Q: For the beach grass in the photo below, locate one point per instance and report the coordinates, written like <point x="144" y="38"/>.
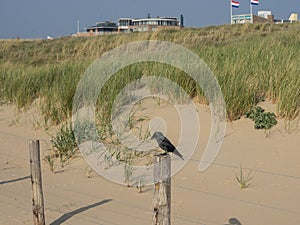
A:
<point x="252" y="62"/>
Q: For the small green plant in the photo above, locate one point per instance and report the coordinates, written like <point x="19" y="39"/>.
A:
<point x="128" y="172"/>
<point x="64" y="143"/>
<point x="158" y="101"/>
<point x="130" y="121"/>
<point x="108" y="160"/>
<point x="143" y="134"/>
<point x="140" y="184"/>
<point x="262" y="120"/>
<point x="117" y="153"/>
<point x="243" y="179"/>
<point x="50" y="158"/>
<point x="85" y="131"/>
<point x="128" y="169"/>
<point x="88" y="171"/>
<point x="147" y="135"/>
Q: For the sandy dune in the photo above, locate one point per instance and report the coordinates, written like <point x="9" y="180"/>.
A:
<point x="212" y="197"/>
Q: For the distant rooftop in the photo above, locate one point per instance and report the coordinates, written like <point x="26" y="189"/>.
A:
<point x="262" y="17"/>
<point x="136" y="25"/>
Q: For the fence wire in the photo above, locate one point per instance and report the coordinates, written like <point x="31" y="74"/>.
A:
<point x="21" y="199"/>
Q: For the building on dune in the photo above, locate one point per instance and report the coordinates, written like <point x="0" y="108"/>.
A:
<point x="262" y="17"/>
<point x="149" y="24"/>
<point x="102" y="28"/>
<point x="128" y="25"/>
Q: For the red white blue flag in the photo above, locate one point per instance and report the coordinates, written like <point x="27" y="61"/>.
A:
<point x="235" y="4"/>
<point x="254" y="2"/>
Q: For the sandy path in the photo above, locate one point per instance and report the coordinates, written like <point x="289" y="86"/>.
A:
<point x="212" y="197"/>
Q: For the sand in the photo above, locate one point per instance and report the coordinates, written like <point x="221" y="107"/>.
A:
<point x="212" y="197"/>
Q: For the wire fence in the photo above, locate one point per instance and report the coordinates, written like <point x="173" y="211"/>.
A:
<point x="22" y="199"/>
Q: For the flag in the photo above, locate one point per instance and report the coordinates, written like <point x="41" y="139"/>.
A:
<point x="235" y="4"/>
<point x="254" y="2"/>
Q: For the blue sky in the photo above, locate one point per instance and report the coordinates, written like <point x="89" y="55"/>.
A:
<point x="39" y="18"/>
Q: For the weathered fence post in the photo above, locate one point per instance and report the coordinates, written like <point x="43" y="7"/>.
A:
<point x="36" y="181"/>
<point x="162" y="190"/>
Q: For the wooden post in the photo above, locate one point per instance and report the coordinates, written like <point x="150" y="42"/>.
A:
<point x="36" y="181"/>
<point x="162" y="190"/>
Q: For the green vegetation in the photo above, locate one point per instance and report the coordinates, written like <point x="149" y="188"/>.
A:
<point x="88" y="170"/>
<point x="262" y="120"/>
<point x="243" y="179"/>
<point x="251" y="62"/>
<point x="128" y="172"/>
<point x="140" y="184"/>
<point x="64" y="144"/>
<point x="50" y="160"/>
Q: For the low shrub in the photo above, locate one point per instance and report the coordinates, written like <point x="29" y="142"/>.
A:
<point x="262" y="120"/>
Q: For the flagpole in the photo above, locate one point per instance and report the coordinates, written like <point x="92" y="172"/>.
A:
<point x="230" y="12"/>
<point x="251" y="12"/>
<point x="77" y="26"/>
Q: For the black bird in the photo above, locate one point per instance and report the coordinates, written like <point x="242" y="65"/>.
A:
<point x="165" y="144"/>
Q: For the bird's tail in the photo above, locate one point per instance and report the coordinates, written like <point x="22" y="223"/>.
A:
<point x="176" y="152"/>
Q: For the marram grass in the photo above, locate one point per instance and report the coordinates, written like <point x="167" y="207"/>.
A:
<point x="252" y="62"/>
